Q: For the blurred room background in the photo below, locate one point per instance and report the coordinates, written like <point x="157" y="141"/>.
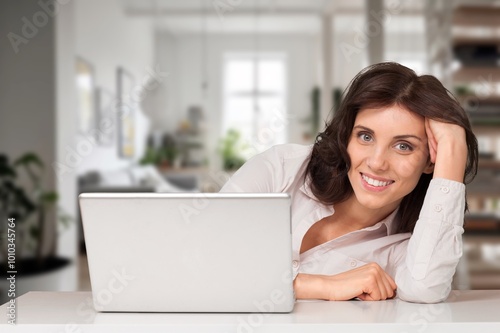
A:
<point x="171" y="95"/>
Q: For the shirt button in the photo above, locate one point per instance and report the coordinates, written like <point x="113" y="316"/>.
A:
<point x="353" y="263"/>
<point x="445" y="189"/>
<point x="438" y="208"/>
<point x="295" y="264"/>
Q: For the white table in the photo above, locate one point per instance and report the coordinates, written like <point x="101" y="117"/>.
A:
<point x="464" y="311"/>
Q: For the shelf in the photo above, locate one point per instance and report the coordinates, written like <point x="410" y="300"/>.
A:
<point x="484" y="116"/>
<point x="489" y="164"/>
<point x="477" y="74"/>
<point x="488" y="99"/>
<point x="473" y="40"/>
<point x="488" y="115"/>
<point x="483" y="217"/>
<point x="474" y="16"/>
<point x="485" y="121"/>
<point x="477" y="79"/>
<point x="484" y="267"/>
<point x="482" y="224"/>
<point x="483" y="188"/>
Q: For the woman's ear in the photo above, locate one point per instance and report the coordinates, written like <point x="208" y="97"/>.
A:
<point x="429" y="168"/>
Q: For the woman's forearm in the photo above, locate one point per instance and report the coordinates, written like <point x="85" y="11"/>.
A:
<point x="451" y="160"/>
<point x="308" y="286"/>
<point x="425" y="273"/>
<point x="368" y="282"/>
<point x="448" y="149"/>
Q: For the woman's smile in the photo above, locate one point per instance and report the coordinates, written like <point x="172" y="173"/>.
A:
<point x="372" y="183"/>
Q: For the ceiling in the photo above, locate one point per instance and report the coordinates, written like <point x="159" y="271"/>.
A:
<point x="264" y="16"/>
<point x="242" y="6"/>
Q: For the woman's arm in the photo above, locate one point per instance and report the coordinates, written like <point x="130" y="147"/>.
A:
<point x="369" y="283"/>
<point x="447" y="149"/>
<point x="435" y="247"/>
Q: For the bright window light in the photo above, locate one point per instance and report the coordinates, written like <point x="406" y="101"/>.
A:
<point x="255" y="99"/>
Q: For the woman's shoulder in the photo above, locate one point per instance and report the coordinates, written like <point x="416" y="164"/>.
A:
<point x="274" y="170"/>
<point x="289" y="163"/>
<point x="288" y="152"/>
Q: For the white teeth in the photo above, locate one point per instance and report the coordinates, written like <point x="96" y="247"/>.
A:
<point x="374" y="182"/>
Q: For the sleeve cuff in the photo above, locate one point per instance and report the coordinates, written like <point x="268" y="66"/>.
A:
<point x="444" y="201"/>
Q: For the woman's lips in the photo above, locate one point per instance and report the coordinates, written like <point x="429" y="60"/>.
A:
<point x="375" y="184"/>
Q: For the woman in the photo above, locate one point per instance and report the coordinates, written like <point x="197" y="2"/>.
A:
<point x="378" y="201"/>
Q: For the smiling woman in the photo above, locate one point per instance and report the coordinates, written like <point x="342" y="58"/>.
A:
<point x="378" y="200"/>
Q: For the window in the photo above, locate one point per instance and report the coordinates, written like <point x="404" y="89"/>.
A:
<point x="254" y="99"/>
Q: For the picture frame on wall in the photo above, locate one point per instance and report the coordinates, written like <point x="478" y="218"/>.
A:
<point x="126" y="113"/>
<point x="105" y="102"/>
<point x="85" y="88"/>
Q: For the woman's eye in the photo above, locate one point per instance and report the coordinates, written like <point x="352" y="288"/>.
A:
<point x="365" y="137"/>
<point x="404" y="147"/>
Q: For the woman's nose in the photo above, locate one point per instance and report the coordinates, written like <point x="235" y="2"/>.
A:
<point x="378" y="159"/>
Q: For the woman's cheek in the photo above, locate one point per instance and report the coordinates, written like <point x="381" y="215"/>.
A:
<point x="410" y="167"/>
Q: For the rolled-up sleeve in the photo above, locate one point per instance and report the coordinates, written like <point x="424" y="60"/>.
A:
<point x="429" y="262"/>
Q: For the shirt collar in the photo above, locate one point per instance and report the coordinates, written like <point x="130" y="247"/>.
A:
<point x="389" y="222"/>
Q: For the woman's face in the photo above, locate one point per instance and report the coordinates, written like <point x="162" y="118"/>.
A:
<point x="389" y="152"/>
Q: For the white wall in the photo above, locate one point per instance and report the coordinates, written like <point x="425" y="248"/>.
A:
<point x="351" y="43"/>
<point x="181" y="56"/>
<point x="37" y="102"/>
<point x="66" y="123"/>
<point x="409" y="49"/>
<point x="107" y="38"/>
<point x="162" y="107"/>
<point x="27" y="90"/>
<point x="27" y="82"/>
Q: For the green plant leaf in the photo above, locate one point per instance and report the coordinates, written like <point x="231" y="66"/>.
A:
<point x="64" y="218"/>
<point x="29" y="158"/>
<point x="24" y="200"/>
<point x="49" y="197"/>
<point x="231" y="150"/>
<point x="15" y="215"/>
<point x="34" y="231"/>
<point x="5" y="169"/>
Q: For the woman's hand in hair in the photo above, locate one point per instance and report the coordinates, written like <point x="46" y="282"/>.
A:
<point x="447" y="149"/>
<point x="369" y="283"/>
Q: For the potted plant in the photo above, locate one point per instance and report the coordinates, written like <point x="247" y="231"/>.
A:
<point x="29" y="204"/>
<point x="163" y="156"/>
<point x="231" y="150"/>
<point x="313" y="119"/>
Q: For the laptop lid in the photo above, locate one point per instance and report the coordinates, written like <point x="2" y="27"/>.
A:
<point x="189" y="252"/>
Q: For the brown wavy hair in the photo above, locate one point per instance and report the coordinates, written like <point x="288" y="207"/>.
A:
<point x="384" y="85"/>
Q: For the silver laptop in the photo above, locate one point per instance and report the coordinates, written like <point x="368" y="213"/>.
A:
<point x="189" y="252"/>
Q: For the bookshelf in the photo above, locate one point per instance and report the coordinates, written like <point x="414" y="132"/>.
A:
<point x="464" y="53"/>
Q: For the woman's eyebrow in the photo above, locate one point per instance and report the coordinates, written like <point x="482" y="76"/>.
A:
<point x="397" y="137"/>
<point x="408" y="136"/>
<point x="363" y="128"/>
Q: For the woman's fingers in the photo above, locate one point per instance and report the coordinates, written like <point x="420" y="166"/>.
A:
<point x="385" y="283"/>
<point x="431" y="140"/>
<point x="368" y="282"/>
<point x="388" y="290"/>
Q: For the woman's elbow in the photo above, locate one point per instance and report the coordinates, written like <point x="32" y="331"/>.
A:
<point x="418" y="292"/>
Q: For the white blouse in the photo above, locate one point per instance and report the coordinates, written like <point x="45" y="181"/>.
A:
<point x="422" y="264"/>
